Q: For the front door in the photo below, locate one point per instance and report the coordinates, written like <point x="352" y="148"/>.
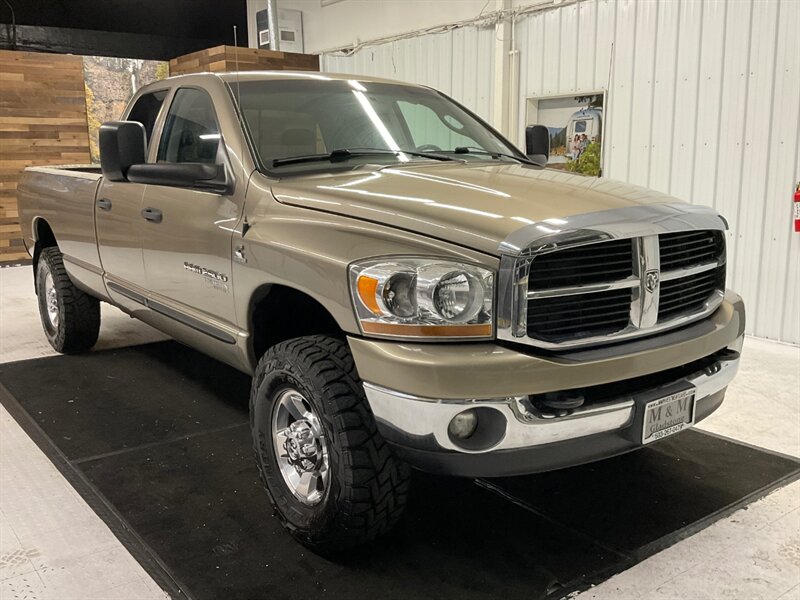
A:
<point x="119" y="220"/>
<point x="188" y="233"/>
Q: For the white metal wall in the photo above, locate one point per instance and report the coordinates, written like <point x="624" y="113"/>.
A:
<point x="458" y="63"/>
<point x="703" y="102"/>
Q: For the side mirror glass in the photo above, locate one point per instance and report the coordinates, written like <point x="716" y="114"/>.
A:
<point x="122" y="144"/>
<point x="537" y="144"/>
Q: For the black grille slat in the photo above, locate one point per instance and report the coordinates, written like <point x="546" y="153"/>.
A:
<point x="689" y="294"/>
<point x="580" y="265"/>
<point x="594" y="322"/>
<point x="687" y="248"/>
<point x="689" y="300"/>
<point x="683" y="251"/>
<point x="581" y="315"/>
<point x="554" y="258"/>
<point x="685" y="295"/>
<point x="683" y="239"/>
<point x="582" y="308"/>
<point x="684" y="236"/>
<point x="591" y="266"/>
<point x="668" y="292"/>
<point x="587" y="299"/>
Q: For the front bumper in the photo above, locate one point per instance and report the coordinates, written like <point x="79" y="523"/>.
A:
<point x="531" y="441"/>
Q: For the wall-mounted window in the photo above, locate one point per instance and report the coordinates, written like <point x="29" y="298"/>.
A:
<point x="576" y="130"/>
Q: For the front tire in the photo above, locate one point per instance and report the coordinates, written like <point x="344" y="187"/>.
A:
<point x="70" y="316"/>
<point x="332" y="479"/>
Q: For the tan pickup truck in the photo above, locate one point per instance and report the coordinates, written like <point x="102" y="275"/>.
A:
<point x="405" y="286"/>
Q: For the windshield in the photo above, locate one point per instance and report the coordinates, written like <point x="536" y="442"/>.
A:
<point x="313" y="118"/>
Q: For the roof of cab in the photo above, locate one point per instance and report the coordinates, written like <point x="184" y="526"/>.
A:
<point x="242" y="76"/>
<point x="232" y="77"/>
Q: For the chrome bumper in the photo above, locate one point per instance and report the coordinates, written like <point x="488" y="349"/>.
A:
<point x="417" y="422"/>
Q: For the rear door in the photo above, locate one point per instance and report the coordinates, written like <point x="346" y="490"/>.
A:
<point x="119" y="223"/>
<point x="187" y="246"/>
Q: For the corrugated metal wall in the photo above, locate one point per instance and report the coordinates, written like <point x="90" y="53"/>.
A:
<point x="703" y="102"/>
<point x="458" y="62"/>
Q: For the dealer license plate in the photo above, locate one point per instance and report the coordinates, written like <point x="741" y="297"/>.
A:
<point x="668" y="415"/>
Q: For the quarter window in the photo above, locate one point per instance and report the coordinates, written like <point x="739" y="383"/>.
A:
<point x="191" y="132"/>
<point x="145" y="111"/>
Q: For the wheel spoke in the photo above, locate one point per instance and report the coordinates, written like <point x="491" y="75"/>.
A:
<point x="294" y="404"/>
<point x="307" y="483"/>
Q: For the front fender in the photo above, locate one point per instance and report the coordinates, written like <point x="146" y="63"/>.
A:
<point x="310" y="251"/>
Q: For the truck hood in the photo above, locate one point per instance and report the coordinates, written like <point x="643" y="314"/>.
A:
<point x="472" y="205"/>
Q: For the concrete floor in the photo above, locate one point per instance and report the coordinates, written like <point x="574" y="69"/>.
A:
<point x="52" y="546"/>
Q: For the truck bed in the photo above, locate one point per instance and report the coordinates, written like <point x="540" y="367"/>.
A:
<point x="62" y="198"/>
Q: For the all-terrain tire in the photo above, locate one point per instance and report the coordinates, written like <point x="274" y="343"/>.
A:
<point x="367" y="485"/>
<point x="75" y="325"/>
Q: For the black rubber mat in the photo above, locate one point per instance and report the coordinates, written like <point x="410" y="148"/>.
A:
<point x="156" y="439"/>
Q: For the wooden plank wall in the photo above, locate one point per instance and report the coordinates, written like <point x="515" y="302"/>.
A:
<point x="224" y="58"/>
<point x="42" y="122"/>
<point x="43" y="114"/>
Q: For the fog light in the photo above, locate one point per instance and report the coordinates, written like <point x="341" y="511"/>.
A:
<point x="464" y="424"/>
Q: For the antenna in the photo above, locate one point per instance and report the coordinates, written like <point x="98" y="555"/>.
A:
<point x="236" y="62"/>
<point x="242" y="125"/>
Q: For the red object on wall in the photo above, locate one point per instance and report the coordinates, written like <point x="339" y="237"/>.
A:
<point x="797" y="208"/>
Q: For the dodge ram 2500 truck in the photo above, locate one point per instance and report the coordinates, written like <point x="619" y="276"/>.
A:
<point x="405" y="286"/>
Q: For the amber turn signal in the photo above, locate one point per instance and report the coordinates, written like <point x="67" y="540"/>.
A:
<point x="367" y="293"/>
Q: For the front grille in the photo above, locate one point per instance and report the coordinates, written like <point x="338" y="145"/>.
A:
<point x="593" y="292"/>
<point x="689" y="294"/>
<point x="686" y="248"/>
<point x="582" y="265"/>
<point x="575" y="317"/>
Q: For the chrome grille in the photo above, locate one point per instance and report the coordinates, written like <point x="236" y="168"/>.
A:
<point x="685" y="248"/>
<point x="582" y="265"/>
<point x="569" y="317"/>
<point x="689" y="294"/>
<point x="617" y="288"/>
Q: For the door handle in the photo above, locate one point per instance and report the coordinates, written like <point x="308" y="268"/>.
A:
<point x="152" y="214"/>
<point x="104" y="204"/>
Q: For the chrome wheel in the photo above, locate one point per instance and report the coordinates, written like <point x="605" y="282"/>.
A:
<point x="51" y="300"/>
<point x="300" y="447"/>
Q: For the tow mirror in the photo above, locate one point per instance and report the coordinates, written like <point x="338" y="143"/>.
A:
<point x="122" y="144"/>
<point x="537" y="144"/>
<point x="204" y="176"/>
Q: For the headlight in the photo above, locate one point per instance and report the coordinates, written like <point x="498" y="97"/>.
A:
<point x="422" y="297"/>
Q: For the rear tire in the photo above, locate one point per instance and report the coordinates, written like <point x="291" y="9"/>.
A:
<point x="358" y="488"/>
<point x="70" y="316"/>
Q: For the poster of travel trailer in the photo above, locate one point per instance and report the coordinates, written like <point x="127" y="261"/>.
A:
<point x="576" y="126"/>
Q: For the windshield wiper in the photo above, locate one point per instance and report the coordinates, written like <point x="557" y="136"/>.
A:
<point x="340" y="154"/>
<point x="496" y="155"/>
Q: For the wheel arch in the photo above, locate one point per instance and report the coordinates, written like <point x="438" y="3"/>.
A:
<point x="278" y="312"/>
<point x="43" y="237"/>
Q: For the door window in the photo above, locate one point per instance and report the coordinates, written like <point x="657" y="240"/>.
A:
<point x="145" y="111"/>
<point x="191" y="132"/>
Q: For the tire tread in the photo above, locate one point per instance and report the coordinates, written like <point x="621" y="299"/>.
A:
<point x="80" y="318"/>
<point x="374" y="484"/>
